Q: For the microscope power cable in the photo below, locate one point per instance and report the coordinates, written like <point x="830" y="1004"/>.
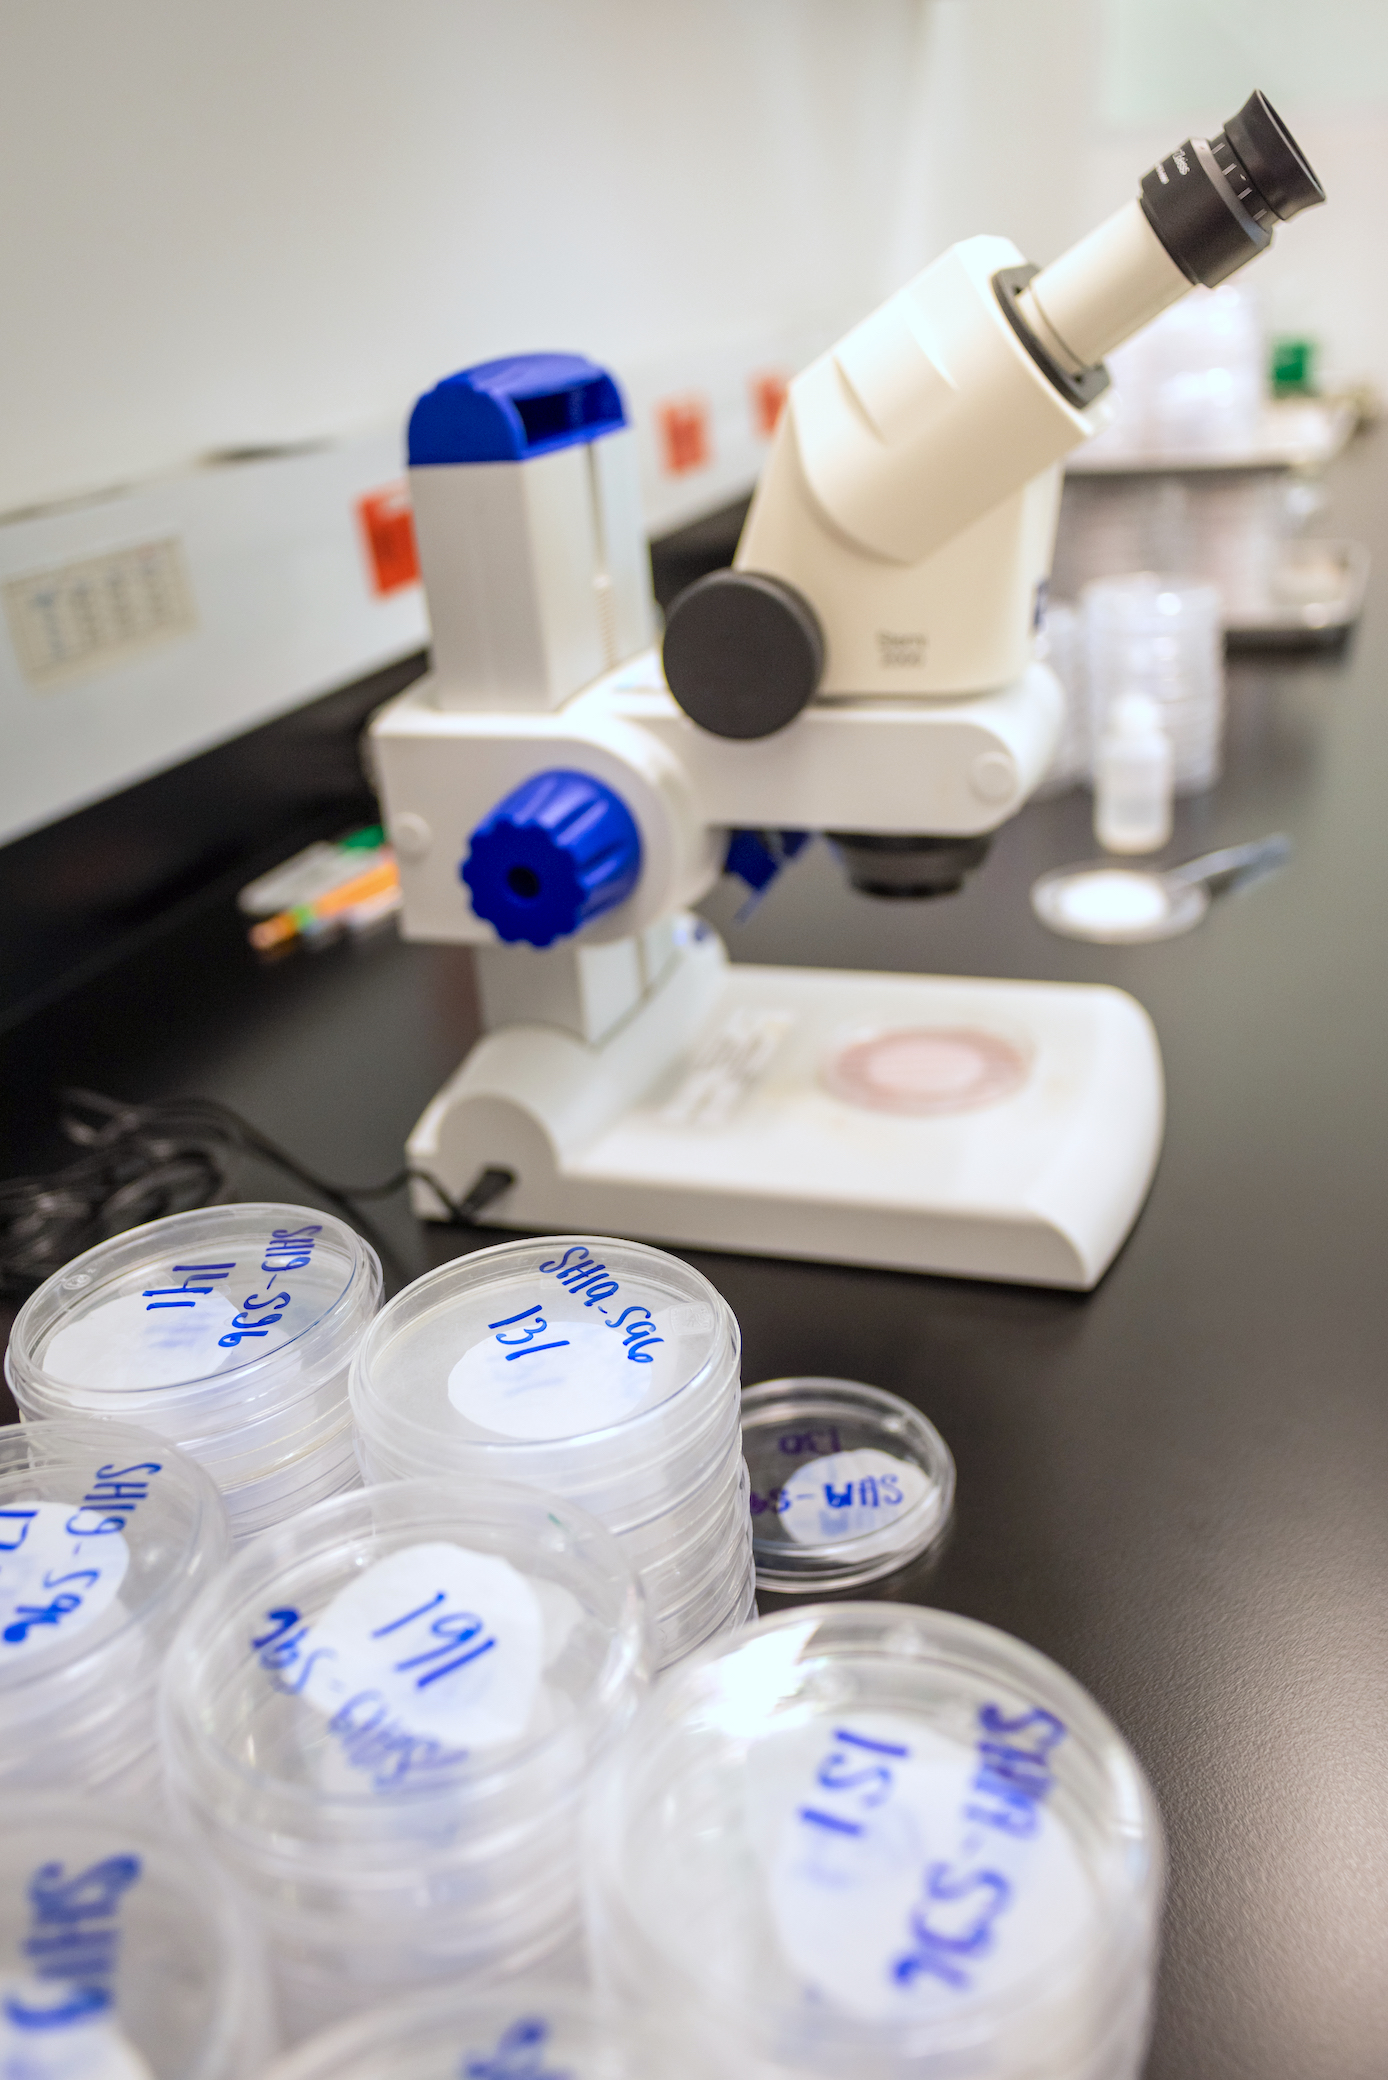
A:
<point x="140" y="1162"/>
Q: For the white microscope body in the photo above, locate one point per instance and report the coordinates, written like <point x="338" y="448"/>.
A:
<point x="560" y="794"/>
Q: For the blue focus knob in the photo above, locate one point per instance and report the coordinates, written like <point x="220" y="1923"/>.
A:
<point x="559" y="851"/>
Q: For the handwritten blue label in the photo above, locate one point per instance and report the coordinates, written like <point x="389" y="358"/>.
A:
<point x="579" y="1271"/>
<point x="846" y="1495"/>
<point x="566" y="1351"/>
<point x="519" y="2054"/>
<point x="62" y="1563"/>
<point x="430" y="1653"/>
<point x="72" y="1945"/>
<point x="910" y="1868"/>
<point x="260" y="1313"/>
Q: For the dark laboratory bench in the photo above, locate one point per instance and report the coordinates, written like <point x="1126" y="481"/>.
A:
<point x="1177" y="1486"/>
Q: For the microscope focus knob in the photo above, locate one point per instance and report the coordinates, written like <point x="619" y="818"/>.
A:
<point x="743" y="653"/>
<point x="557" y="852"/>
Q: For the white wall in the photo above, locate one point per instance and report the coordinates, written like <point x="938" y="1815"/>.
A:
<point x="233" y="222"/>
<point x="1038" y="117"/>
<point x="244" y="222"/>
<point x="1172" y="68"/>
<point x="1000" y="108"/>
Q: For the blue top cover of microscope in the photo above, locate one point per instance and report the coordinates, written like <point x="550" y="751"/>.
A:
<point x="507" y="411"/>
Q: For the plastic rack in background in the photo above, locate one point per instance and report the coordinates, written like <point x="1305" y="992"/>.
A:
<point x="603" y="1371"/>
<point x="107" y="1534"/>
<point x="381" y="1719"/>
<point x="1161" y="637"/>
<point x="866" y="1840"/>
<point x="229" y="1330"/>
<point x="121" y="1957"/>
<point x="527" y="2031"/>
<point x="1148" y="634"/>
<point x="1201" y="472"/>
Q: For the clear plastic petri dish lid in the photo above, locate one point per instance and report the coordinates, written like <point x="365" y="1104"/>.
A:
<point x="397" y="1678"/>
<point x="848" y="1483"/>
<point x="107" y="1533"/>
<point x="874" y="1838"/>
<point x="199" y="1324"/>
<point x="121" y="1955"/>
<point x="577" y="1363"/>
<point x="527" y="2030"/>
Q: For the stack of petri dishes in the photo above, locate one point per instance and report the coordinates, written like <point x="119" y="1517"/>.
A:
<point x="872" y="1839"/>
<point x="381" y="1718"/>
<point x="520" y="2032"/>
<point x="229" y="1330"/>
<point x="604" y="1371"/>
<point x="1162" y="637"/>
<point x="121" y="1958"/>
<point x="106" y="1536"/>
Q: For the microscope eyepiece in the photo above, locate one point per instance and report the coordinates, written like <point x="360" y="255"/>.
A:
<point x="1213" y="202"/>
<point x="1271" y="160"/>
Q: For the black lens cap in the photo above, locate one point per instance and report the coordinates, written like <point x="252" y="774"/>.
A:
<point x="743" y="653"/>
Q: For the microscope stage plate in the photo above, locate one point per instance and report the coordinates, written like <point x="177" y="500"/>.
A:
<point x="982" y="1129"/>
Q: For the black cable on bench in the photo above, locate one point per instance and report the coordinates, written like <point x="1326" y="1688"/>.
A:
<point x="140" y="1162"/>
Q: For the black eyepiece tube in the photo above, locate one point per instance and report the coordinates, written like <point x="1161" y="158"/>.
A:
<point x="1213" y="202"/>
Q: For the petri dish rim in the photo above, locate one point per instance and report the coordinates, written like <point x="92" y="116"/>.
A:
<point x="28" y="1340"/>
<point x="368" y="1404"/>
<point x="888" y="1422"/>
<point x="422" y="2032"/>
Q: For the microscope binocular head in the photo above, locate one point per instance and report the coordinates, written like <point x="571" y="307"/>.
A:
<point x="904" y="519"/>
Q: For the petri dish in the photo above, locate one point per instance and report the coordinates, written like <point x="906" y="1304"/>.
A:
<point x="107" y="1535"/>
<point x="576" y="1342"/>
<point x="598" y="1369"/>
<point x="849" y="1483"/>
<point x="121" y="1955"/>
<point x="877" y="1839"/>
<point x="193" y="1299"/>
<point x="229" y="1329"/>
<point x="381" y="1718"/>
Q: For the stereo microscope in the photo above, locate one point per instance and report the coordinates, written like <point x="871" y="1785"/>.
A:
<point x="560" y="793"/>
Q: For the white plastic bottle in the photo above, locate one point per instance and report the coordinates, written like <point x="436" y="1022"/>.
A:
<point x="1133" y="778"/>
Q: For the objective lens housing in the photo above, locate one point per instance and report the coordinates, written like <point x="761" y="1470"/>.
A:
<point x="899" y="866"/>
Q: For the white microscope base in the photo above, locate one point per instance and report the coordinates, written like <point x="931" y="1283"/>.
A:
<point x="703" y="1120"/>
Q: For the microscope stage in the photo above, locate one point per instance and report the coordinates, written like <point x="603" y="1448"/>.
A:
<point x="1000" y="1130"/>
